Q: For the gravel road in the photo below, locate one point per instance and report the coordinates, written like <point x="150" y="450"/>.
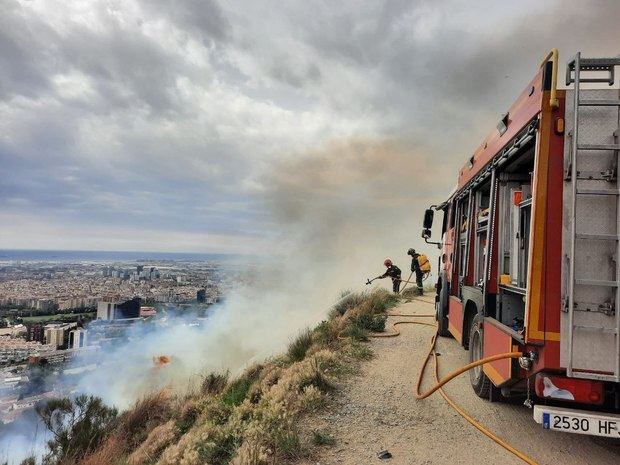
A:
<point x="377" y="411"/>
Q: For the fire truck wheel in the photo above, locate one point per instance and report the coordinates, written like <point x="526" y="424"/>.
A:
<point x="479" y="381"/>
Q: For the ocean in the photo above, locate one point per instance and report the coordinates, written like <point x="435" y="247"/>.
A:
<point x="106" y="256"/>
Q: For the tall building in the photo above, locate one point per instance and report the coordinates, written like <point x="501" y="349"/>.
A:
<point x="118" y="310"/>
<point x="77" y="338"/>
<point x="35" y="332"/>
<point x="57" y="334"/>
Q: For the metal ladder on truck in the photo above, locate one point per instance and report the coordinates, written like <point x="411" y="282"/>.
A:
<point x="590" y="340"/>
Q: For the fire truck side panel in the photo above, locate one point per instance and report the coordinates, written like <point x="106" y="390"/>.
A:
<point x="525" y="108"/>
<point x="498" y="339"/>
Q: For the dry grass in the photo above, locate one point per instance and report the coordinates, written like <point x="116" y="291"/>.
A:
<point x="299" y="346"/>
<point x="214" y="383"/>
<point x="136" y="423"/>
<point x="159" y="438"/>
<point x="322" y="438"/>
<point x="109" y="453"/>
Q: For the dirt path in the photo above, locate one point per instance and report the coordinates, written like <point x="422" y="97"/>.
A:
<point x="377" y="411"/>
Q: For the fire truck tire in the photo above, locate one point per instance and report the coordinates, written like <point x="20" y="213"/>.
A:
<point x="441" y="315"/>
<point x="479" y="381"/>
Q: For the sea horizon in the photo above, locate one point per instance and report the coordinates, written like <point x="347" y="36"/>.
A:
<point x="106" y="255"/>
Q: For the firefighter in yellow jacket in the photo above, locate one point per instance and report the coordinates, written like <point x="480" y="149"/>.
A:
<point x="420" y="266"/>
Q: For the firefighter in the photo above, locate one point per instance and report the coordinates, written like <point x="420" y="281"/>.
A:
<point x="420" y="269"/>
<point x="392" y="272"/>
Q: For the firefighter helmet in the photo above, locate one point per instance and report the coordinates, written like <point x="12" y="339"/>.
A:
<point x="387" y="262"/>
<point x="410" y="252"/>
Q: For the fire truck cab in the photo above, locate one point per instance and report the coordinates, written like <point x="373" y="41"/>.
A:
<point x="530" y="258"/>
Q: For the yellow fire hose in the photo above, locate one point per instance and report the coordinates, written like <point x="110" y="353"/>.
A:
<point x="440" y="383"/>
<point x="408" y="280"/>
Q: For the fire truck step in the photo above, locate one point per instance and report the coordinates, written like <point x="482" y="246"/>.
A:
<point x="597" y="237"/>
<point x="599" y="175"/>
<point x="596" y="328"/>
<point x="588" y="64"/>
<point x="598" y="147"/>
<point x="599" y="103"/>
<point x="596" y="282"/>
<point x="597" y="192"/>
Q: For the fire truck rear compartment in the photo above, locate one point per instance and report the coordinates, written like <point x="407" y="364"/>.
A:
<point x="515" y="210"/>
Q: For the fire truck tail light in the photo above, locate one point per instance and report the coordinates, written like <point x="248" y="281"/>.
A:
<point x="561" y="388"/>
<point x="559" y="126"/>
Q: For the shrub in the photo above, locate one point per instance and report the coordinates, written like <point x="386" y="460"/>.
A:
<point x="220" y="447"/>
<point x="78" y="426"/>
<point x="136" y="423"/>
<point x="214" y="383"/>
<point x="369" y="322"/>
<point x="286" y="443"/>
<point x="360" y="351"/>
<point x="312" y="398"/>
<point x="237" y="391"/>
<point x="320" y="438"/>
<point x="299" y="346"/>
<point x="318" y="380"/>
<point x="381" y="300"/>
<point x="187" y="416"/>
<point x="356" y="332"/>
<point x="217" y="413"/>
<point x="325" y="334"/>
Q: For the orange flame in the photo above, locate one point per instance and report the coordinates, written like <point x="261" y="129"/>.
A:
<point x="161" y="360"/>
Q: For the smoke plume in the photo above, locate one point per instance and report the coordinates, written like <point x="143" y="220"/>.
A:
<point x="333" y="214"/>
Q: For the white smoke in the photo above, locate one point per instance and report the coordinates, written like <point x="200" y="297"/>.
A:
<point x="335" y="214"/>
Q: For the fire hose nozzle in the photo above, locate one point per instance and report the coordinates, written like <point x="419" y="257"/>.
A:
<point x="527" y="360"/>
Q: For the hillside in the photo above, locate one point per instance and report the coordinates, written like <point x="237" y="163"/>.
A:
<point x="247" y="420"/>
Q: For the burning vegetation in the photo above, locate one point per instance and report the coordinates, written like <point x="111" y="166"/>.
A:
<point x="248" y="420"/>
<point x="160" y="361"/>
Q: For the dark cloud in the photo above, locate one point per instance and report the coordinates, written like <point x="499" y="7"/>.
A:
<point x="202" y="18"/>
<point x="180" y="115"/>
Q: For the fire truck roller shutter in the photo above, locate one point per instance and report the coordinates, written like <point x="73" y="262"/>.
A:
<point x="442" y="304"/>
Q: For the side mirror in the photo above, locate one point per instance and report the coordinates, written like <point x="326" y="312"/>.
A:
<point x="428" y="220"/>
<point x="426" y="233"/>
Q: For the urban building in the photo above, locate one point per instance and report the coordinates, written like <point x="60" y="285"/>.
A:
<point x="107" y="310"/>
<point x="57" y="334"/>
<point x="201" y="295"/>
<point x="77" y="338"/>
<point x="14" y="350"/>
<point x="35" y="332"/>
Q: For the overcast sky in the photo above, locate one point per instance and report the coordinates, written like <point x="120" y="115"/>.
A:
<point x="164" y="125"/>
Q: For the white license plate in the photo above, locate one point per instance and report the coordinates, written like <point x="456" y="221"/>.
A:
<point x="571" y="421"/>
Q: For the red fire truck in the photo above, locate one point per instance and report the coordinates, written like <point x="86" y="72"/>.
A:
<point x="530" y="257"/>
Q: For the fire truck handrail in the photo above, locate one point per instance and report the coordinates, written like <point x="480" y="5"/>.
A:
<point x="553" y="56"/>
